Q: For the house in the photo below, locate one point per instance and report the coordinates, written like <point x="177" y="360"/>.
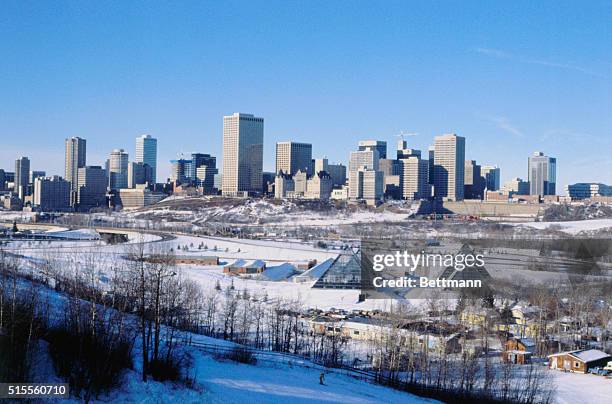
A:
<point x="579" y="361"/>
<point x="518" y="350"/>
<point x="241" y="266"/>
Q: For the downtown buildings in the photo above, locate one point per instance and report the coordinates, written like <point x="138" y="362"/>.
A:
<point x="449" y="167"/>
<point x="146" y="153"/>
<point x="542" y="174"/>
<point x="76" y="156"/>
<point x="242" y="155"/>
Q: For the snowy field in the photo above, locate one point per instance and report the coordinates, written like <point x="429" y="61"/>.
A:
<point x="574" y="388"/>
<point x="574" y="228"/>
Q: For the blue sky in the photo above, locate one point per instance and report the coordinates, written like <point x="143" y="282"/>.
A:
<point x="512" y="78"/>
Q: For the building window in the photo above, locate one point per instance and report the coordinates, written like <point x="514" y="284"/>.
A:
<point x="576" y="364"/>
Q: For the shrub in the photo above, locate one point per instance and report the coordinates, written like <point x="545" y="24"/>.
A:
<point x="241" y="355"/>
<point x="91" y="364"/>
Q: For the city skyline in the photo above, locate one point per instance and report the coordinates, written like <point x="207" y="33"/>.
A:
<point x="522" y="83"/>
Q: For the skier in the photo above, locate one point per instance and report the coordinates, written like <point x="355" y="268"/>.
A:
<point x="322" y="378"/>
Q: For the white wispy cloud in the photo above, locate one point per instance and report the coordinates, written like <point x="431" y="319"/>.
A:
<point x="504" y="124"/>
<point x="501" y="54"/>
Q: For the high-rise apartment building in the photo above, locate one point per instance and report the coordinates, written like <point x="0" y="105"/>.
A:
<point x="118" y="169"/>
<point x="75" y="158"/>
<point x="2" y="180"/>
<point x="379" y="145"/>
<point x="92" y="188"/>
<point x="367" y="185"/>
<point x="492" y="177"/>
<point x="414" y="178"/>
<point x="294" y="156"/>
<point x="146" y="153"/>
<point x="542" y="172"/>
<point x="368" y="159"/>
<point x="242" y="154"/>
<point x="337" y="172"/>
<point x="449" y="166"/>
<point x="22" y="176"/>
<point x="52" y="194"/>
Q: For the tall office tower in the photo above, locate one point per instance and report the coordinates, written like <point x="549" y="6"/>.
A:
<point x="136" y="174"/>
<point x="118" y="169"/>
<point x="389" y="167"/>
<point x="367" y="185"/>
<point x="200" y="159"/>
<point x="180" y="170"/>
<point x="320" y="165"/>
<point x="449" y="166"/>
<point x="242" y="154"/>
<point x="368" y="159"/>
<point x="473" y="182"/>
<point x="92" y="188"/>
<point x="492" y="177"/>
<point x="76" y="156"/>
<point x="51" y="193"/>
<point x="337" y="172"/>
<point x="205" y="179"/>
<point x="22" y="176"/>
<point x="293" y="156"/>
<point x="35" y="174"/>
<point x="146" y="153"/>
<point x="379" y="145"/>
<point x="414" y="178"/>
<point x="2" y="180"/>
<point x="542" y="172"/>
<point x="432" y="154"/>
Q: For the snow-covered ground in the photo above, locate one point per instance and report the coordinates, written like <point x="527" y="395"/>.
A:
<point x="575" y="388"/>
<point x="574" y="227"/>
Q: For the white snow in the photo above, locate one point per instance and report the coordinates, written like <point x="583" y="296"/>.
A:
<point x="574" y="227"/>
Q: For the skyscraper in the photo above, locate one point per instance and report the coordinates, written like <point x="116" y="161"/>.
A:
<point x="118" y="169"/>
<point x="242" y="154"/>
<point x="52" y="193"/>
<point x="492" y="177"/>
<point x="146" y="153"/>
<point x="414" y="178"/>
<point x="542" y="172"/>
<point x="379" y="145"/>
<point x="294" y="156"/>
<point x="449" y="166"/>
<point x="368" y="159"/>
<point x="76" y="155"/>
<point x="92" y="187"/>
<point x="22" y="175"/>
<point x="473" y="181"/>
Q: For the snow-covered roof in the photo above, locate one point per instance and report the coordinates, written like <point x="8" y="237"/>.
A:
<point x="317" y="271"/>
<point x="278" y="273"/>
<point x="590" y="355"/>
<point x="585" y="355"/>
